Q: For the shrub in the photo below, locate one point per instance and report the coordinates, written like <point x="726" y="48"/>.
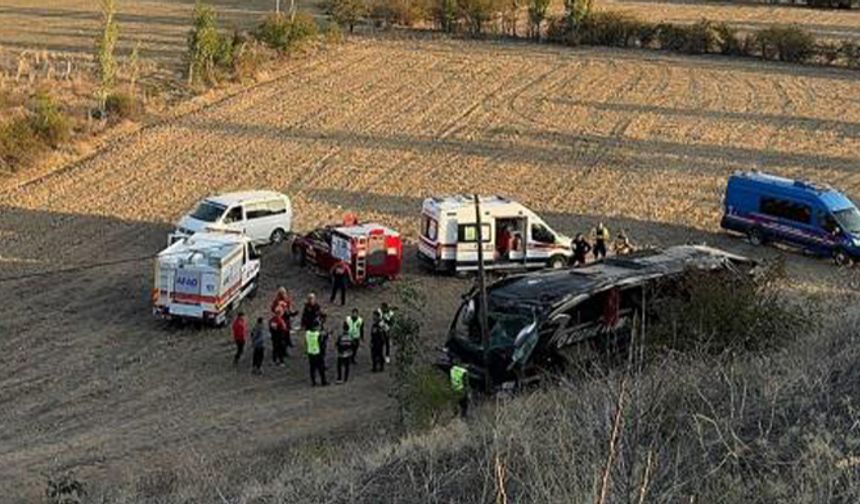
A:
<point x="537" y="13"/>
<point x="728" y="42"/>
<point x="444" y="14"/>
<point x="398" y="12"/>
<point x="608" y="29"/>
<point x="698" y="38"/>
<point x="105" y="45"/>
<point x="48" y="122"/>
<point x="19" y="144"/>
<point x="785" y="43"/>
<point x="719" y="313"/>
<point x="284" y="34"/>
<point x="850" y="53"/>
<point x="477" y="13"/>
<point x="558" y="29"/>
<point x="247" y="58"/>
<point x="346" y="12"/>
<point x="206" y="46"/>
<point x="332" y="33"/>
<point x="122" y="105"/>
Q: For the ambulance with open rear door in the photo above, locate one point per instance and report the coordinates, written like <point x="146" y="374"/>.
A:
<point x="513" y="236"/>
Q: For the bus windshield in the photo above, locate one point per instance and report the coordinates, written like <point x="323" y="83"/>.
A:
<point x="505" y="323"/>
<point x="848" y="219"/>
<point x="208" y="212"/>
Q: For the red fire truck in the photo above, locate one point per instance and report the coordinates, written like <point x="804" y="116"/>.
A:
<point x="373" y="252"/>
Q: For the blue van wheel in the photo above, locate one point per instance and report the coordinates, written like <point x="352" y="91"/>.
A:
<point x="755" y="237"/>
<point x="841" y="258"/>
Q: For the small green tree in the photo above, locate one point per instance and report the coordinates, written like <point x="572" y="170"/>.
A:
<point x="477" y="13"/>
<point x="576" y="11"/>
<point x="537" y="14"/>
<point x="445" y="14"/>
<point x="204" y="43"/>
<point x="105" y="46"/>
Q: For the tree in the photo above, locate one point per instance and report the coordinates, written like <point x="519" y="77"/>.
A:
<point x="576" y="11"/>
<point x="204" y="43"/>
<point x="105" y="46"/>
<point x="346" y="12"/>
<point x="537" y="14"/>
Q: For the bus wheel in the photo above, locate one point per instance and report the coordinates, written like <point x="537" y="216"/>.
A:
<point x="842" y="259"/>
<point x="557" y="262"/>
<point x="755" y="237"/>
<point x="278" y="236"/>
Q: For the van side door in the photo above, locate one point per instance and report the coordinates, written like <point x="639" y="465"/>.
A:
<point x="541" y="242"/>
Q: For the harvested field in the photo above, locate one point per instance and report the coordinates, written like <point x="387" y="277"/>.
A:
<point x="90" y="382"/>
<point x="824" y="23"/>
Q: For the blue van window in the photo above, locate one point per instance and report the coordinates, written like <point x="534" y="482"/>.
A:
<point x="828" y="222"/>
<point x="848" y="219"/>
<point x="783" y="209"/>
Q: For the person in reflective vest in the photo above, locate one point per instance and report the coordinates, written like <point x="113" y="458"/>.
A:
<point x="601" y="239"/>
<point x="316" y="361"/>
<point x="354" y="327"/>
<point x="460" y="385"/>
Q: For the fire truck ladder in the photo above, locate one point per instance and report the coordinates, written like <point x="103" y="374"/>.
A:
<point x="360" y="259"/>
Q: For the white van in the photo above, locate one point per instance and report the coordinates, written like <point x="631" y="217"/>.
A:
<point x="513" y="236"/>
<point x="264" y="216"/>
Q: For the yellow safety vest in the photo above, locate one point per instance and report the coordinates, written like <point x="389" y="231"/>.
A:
<point x="603" y="234"/>
<point x="354" y="327"/>
<point x="312" y="342"/>
<point x="458" y="378"/>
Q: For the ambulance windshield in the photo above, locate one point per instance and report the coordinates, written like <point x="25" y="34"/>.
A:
<point x="208" y="212"/>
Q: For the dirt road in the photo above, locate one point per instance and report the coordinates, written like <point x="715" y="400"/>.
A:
<point x="89" y="381"/>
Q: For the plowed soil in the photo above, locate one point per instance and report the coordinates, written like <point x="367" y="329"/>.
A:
<point x="644" y="141"/>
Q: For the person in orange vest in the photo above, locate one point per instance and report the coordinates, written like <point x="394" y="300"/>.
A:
<point x="339" y="280"/>
<point x="240" y="334"/>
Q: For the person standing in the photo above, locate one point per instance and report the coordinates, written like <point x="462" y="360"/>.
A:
<point x="581" y="248"/>
<point x="313" y="348"/>
<point x="312" y="313"/>
<point x="258" y="341"/>
<point x="601" y="239"/>
<point x="240" y="334"/>
<point x="339" y="279"/>
<point x="282" y="300"/>
<point x="460" y="385"/>
<point x="344" y="357"/>
<point x="622" y="244"/>
<point x="278" y="330"/>
<point x="377" y="343"/>
<point x="386" y="315"/>
<point x="354" y="327"/>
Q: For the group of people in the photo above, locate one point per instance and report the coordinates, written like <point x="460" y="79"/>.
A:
<point x="601" y="236"/>
<point x="278" y="330"/>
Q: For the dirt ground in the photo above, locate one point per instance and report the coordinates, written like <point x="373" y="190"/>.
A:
<point x="90" y="382"/>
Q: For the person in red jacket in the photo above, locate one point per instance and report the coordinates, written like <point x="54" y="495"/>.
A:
<point x="282" y="300"/>
<point x="339" y="280"/>
<point x="240" y="334"/>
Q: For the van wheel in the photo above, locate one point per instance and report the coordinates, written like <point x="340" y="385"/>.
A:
<point x="755" y="237"/>
<point x="557" y="262"/>
<point x="254" y="288"/>
<point x="278" y="236"/>
<point x="842" y="259"/>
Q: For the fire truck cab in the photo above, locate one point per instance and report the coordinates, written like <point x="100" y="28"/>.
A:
<point x="373" y="252"/>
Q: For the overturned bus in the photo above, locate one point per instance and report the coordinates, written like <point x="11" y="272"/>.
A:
<point x="547" y="321"/>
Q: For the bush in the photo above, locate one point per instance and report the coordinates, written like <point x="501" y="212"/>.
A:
<point x="284" y="34"/>
<point x="48" y="122"/>
<point x="398" y="12"/>
<point x="122" y="105"/>
<point x="19" y="144"/>
<point x="850" y="53"/>
<point x="785" y="43"/>
<point x="698" y="38"/>
<point x="444" y="14"/>
<point x="719" y="313"/>
<point x="728" y="41"/>
<point x="204" y="44"/>
<point x="537" y="13"/>
<point x="608" y="29"/>
<point x="332" y="33"/>
<point x="247" y="59"/>
<point x="477" y="13"/>
<point x="346" y="12"/>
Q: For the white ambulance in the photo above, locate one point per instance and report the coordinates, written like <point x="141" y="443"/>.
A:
<point x="205" y="276"/>
<point x="513" y="236"/>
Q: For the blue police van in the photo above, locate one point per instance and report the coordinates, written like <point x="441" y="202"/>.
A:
<point x="768" y="208"/>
